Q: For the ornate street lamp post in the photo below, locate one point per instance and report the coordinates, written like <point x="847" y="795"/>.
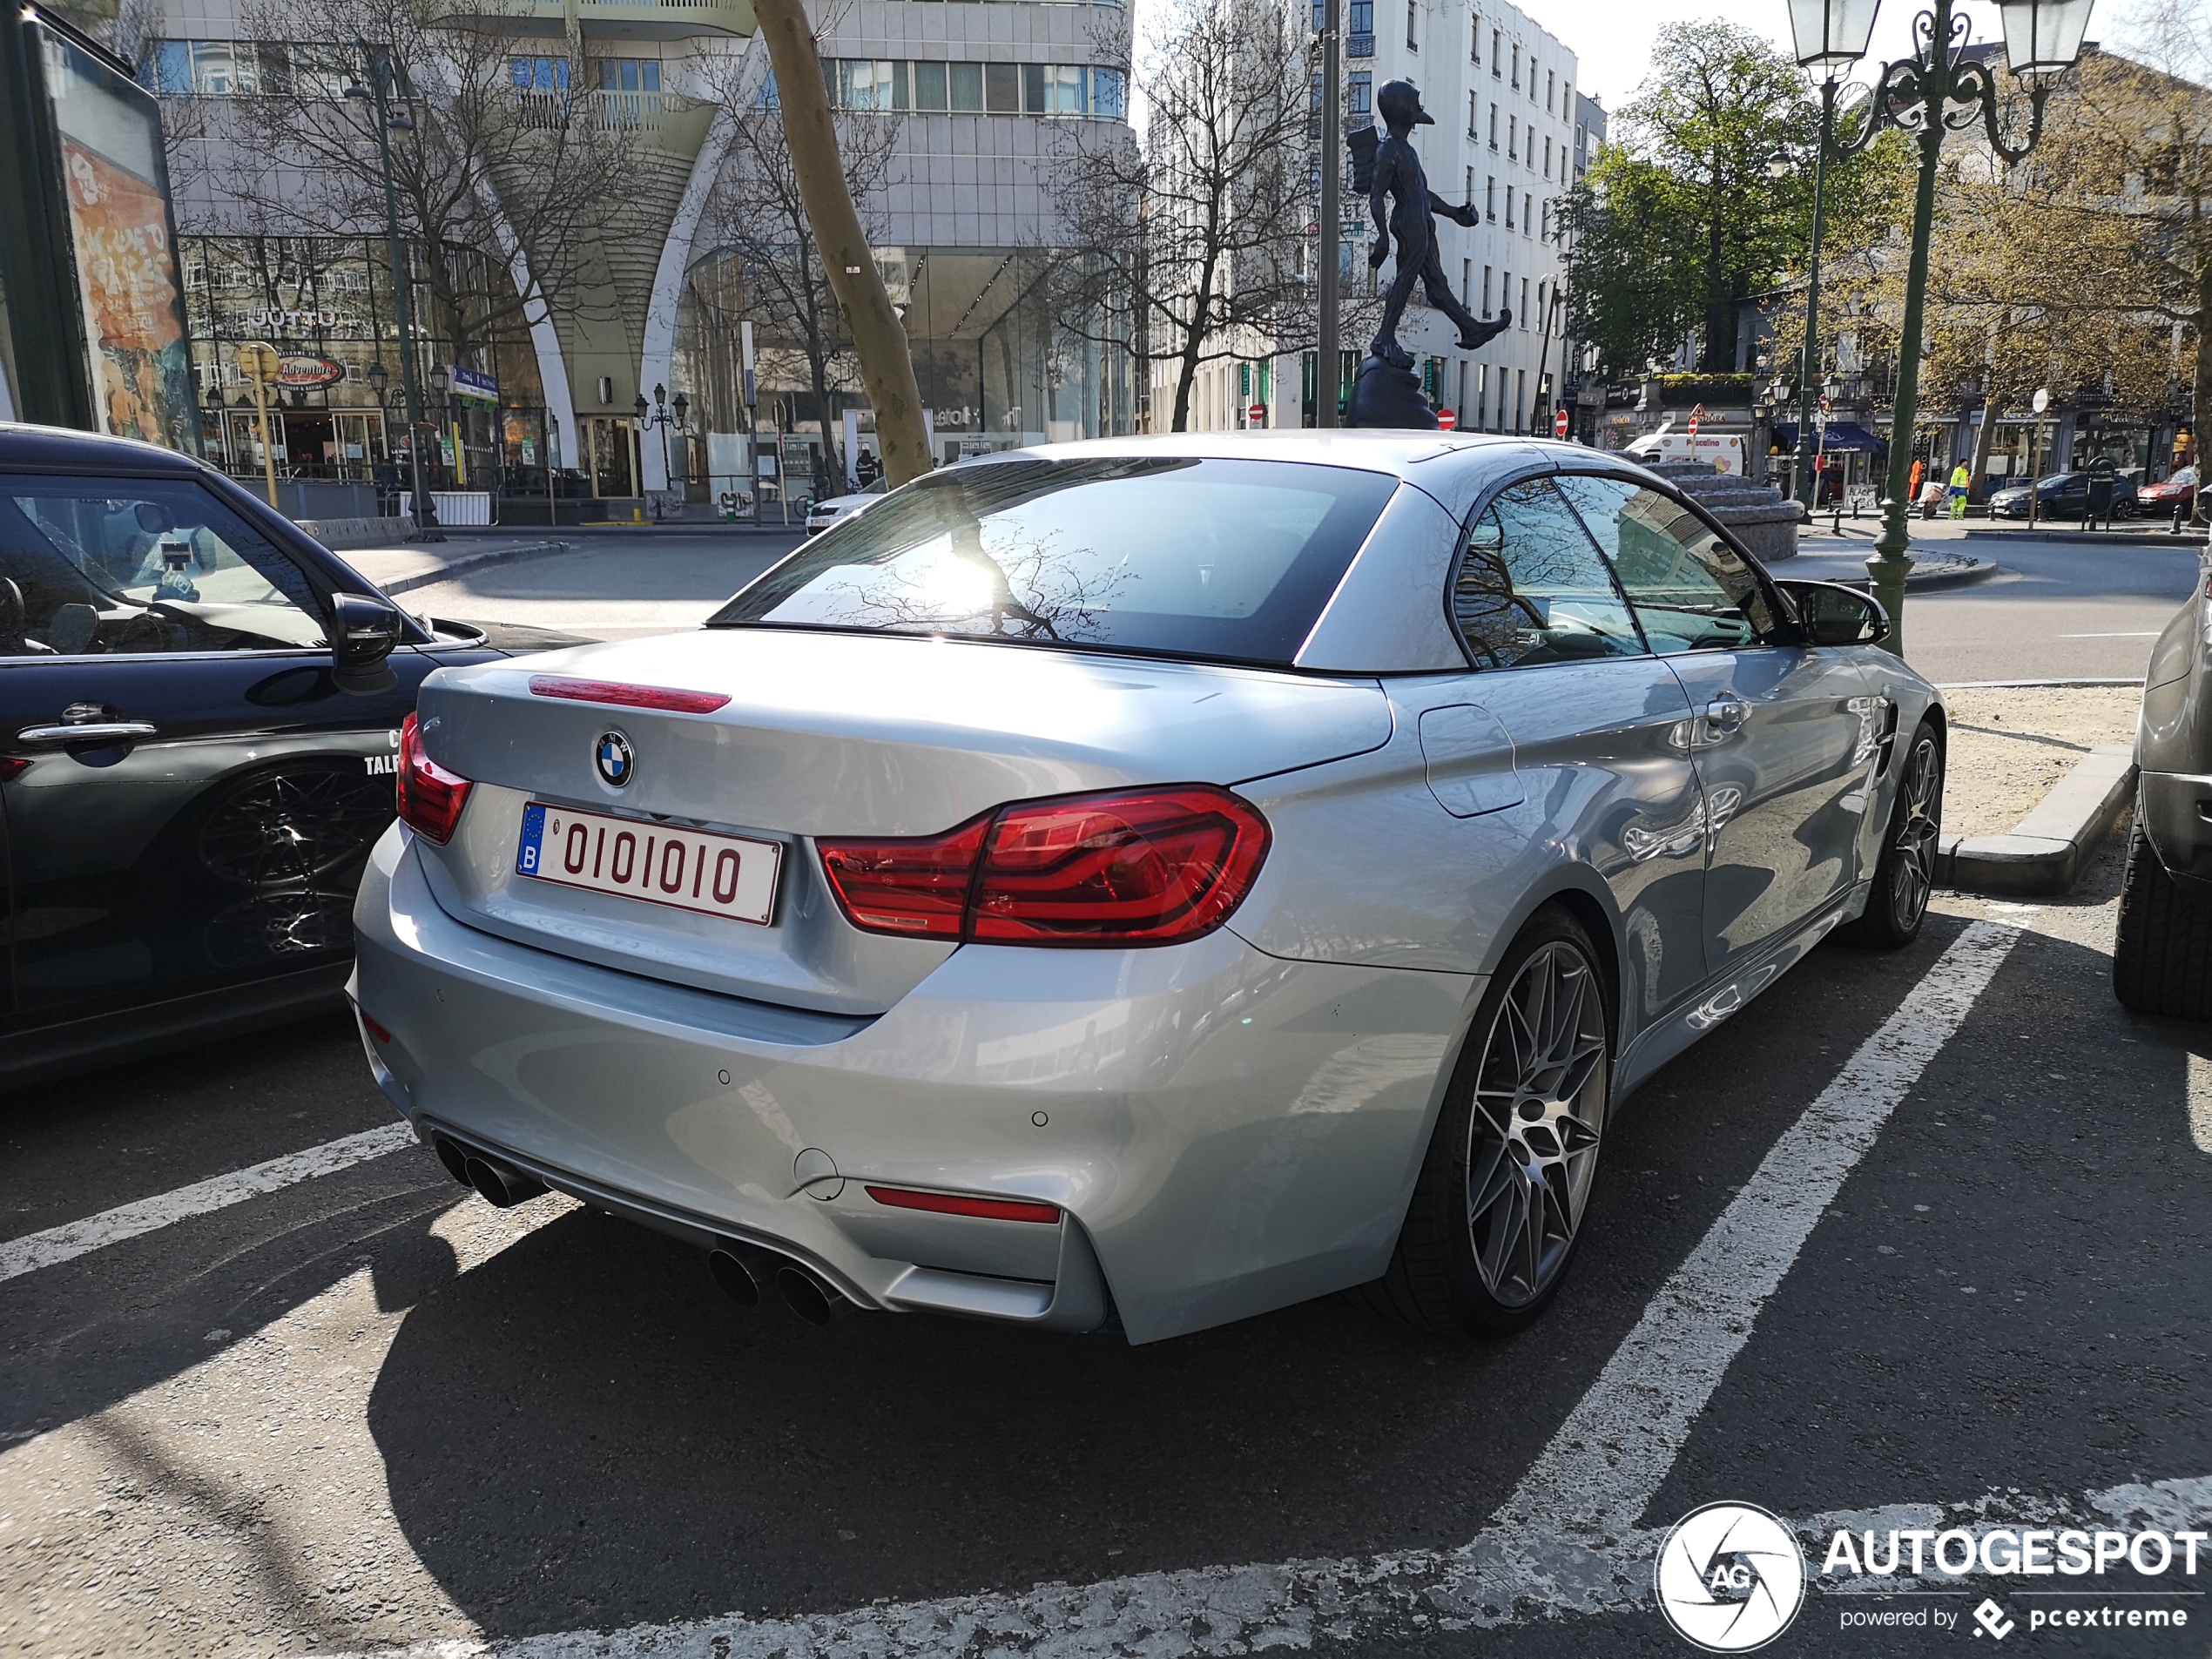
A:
<point x="1935" y="91"/>
<point x="659" y="416"/>
<point x="1830" y="35"/>
<point x="379" y="62"/>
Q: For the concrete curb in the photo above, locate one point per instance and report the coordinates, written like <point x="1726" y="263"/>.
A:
<point x="1954" y="572"/>
<point x="476" y="561"/>
<point x="2047" y="850"/>
<point x="2088" y="538"/>
<point x="2016" y="685"/>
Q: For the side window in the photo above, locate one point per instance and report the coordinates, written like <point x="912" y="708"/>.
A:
<point x="95" y="566"/>
<point x="1691" y="590"/>
<point x="1532" y="589"/>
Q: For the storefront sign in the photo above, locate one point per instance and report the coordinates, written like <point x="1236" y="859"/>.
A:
<point x="267" y="320"/>
<point x="310" y="371"/>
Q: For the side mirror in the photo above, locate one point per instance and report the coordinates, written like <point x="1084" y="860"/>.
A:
<point x="1832" y="614"/>
<point x="363" y="630"/>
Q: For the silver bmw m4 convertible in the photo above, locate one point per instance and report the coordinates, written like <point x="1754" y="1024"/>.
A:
<point x="1132" y="884"/>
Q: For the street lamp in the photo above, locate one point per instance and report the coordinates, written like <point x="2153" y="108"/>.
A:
<point x="659" y="416"/>
<point x="378" y="61"/>
<point x="1830" y="35"/>
<point x="1939" y="89"/>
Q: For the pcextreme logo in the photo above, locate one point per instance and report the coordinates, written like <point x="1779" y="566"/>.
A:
<point x="1730" y="1577"/>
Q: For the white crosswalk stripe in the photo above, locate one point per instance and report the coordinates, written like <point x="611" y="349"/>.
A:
<point x="58" y="1245"/>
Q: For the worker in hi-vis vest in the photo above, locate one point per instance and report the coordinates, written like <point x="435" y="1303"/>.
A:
<point x="1962" y="480"/>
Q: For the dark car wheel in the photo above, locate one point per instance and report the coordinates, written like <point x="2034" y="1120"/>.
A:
<point x="1502" y="1195"/>
<point x="2161" y="960"/>
<point x="288" y="828"/>
<point x="1904" y="874"/>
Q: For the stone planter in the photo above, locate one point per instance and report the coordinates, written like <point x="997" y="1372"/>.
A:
<point x="1762" y="519"/>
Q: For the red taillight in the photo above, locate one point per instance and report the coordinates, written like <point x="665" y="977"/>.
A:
<point x="1139" y="866"/>
<point x="627" y="696"/>
<point x="946" y="1203"/>
<point x="12" y="767"/>
<point x="429" y="797"/>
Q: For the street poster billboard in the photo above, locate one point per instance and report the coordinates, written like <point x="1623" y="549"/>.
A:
<point x="110" y="296"/>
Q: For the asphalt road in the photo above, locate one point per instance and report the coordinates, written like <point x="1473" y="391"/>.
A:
<point x="365" y="1410"/>
<point x="2053" y="610"/>
<point x="615" y="586"/>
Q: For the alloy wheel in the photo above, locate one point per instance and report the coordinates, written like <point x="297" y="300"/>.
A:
<point x="1916" y="827"/>
<point x="1539" y="1111"/>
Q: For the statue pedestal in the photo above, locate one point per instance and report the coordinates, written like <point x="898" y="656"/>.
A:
<point x="1387" y="394"/>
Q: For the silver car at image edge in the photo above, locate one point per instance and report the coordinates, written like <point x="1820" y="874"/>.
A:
<point x="1137" y="884"/>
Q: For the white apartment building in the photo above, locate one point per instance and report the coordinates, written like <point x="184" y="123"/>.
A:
<point x="1502" y="90"/>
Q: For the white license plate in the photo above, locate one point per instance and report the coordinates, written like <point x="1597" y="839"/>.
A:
<point x="716" y="875"/>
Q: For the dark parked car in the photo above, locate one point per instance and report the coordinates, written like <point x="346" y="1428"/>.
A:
<point x="2064" y="495"/>
<point x="2159" y="499"/>
<point x="190" y="776"/>
<point x="2161" y="961"/>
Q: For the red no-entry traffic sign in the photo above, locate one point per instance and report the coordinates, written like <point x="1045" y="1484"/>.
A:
<point x="1446" y="419"/>
<point x="1558" y="424"/>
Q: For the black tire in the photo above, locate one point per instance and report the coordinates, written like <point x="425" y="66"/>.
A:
<point x="1458" y="1270"/>
<point x="2162" y="961"/>
<point x="1904" y="874"/>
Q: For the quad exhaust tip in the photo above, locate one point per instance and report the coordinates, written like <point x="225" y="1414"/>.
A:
<point x="807" y="1296"/>
<point x="735" y="1278"/>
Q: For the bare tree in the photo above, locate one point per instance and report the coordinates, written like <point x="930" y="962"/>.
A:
<point x="488" y="165"/>
<point x="1196" y="240"/>
<point x="759" y="213"/>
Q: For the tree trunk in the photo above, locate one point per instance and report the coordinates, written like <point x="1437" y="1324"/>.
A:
<point x="2201" y="394"/>
<point x="887" y="362"/>
<point x="1983" y="440"/>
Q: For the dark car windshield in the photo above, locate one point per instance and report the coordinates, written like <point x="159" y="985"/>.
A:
<point x="1228" y="561"/>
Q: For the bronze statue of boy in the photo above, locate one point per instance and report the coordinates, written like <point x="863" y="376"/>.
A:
<point x="1398" y="178"/>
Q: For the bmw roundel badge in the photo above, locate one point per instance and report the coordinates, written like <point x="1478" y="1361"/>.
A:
<point x="617" y="762"/>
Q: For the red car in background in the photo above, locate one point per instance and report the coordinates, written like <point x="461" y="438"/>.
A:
<point x="2162" y="498"/>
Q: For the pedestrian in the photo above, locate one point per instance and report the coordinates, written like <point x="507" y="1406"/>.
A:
<point x="1962" y="480"/>
<point x="1912" y="489"/>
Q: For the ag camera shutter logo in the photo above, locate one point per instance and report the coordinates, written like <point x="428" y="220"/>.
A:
<point x="1730" y="1577"/>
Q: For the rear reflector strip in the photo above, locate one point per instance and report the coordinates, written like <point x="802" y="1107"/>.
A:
<point x="375" y="1027"/>
<point x="627" y="696"/>
<point x="946" y="1203"/>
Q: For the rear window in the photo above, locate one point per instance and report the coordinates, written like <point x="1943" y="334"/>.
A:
<point x="1229" y="561"/>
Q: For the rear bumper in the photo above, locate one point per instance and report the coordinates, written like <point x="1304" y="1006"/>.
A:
<point x="1224" y="1131"/>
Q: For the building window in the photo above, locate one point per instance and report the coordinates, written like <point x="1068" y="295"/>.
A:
<point x="1508" y="210"/>
<point x="1490" y="202"/>
<point x="1360" y="33"/>
<point x="961" y="89"/>
<point x="1108" y="94"/>
<point x="643" y="75"/>
<point x="1494" y="126"/>
<point x="540" y="74"/>
<point x="1473" y="132"/>
<point x="1548" y="155"/>
<point x="1527" y="216"/>
<point x="1413" y="19"/>
<point x="1496" y="51"/>
<point x="1512" y="137"/>
<point x="1359" y="97"/>
<point x="1466" y="280"/>
<point x="1524" y="313"/>
<point x="1516" y="68"/>
<point x="1474" y="42"/>
<point x="1549" y="77"/>
<point x="1485" y="290"/>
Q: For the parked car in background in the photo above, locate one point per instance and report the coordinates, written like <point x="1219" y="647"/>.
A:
<point x="2161" y="958"/>
<point x="2064" y="495"/>
<point x="824" y="513"/>
<point x="2172" y="493"/>
<point x="1133" y="885"/>
<point x="192" y="773"/>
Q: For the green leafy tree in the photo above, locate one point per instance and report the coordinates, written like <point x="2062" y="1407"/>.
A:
<point x="1705" y="201"/>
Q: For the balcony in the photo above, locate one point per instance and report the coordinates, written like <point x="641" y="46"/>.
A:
<point x="674" y="122"/>
<point x="1359" y="45"/>
<point x="610" y="19"/>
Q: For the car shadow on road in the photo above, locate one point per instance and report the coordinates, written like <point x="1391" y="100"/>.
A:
<point x="582" y="1433"/>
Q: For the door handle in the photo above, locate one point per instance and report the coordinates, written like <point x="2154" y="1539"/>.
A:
<point x="1724" y="713"/>
<point x="91" y="732"/>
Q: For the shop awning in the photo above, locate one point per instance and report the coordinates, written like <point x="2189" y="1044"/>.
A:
<point x="1843" y="436"/>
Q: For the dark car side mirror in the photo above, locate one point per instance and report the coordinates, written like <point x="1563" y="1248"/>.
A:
<point x="363" y="630"/>
<point x="1832" y="614"/>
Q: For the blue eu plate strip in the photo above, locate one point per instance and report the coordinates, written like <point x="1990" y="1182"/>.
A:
<point x="526" y="856"/>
